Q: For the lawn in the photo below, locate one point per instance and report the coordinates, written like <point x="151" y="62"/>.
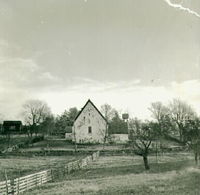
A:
<point x="16" y="166"/>
<point x="173" y="174"/>
<point x="49" y="143"/>
<point x="64" y="145"/>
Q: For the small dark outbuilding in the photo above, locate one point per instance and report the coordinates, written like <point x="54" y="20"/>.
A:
<point x="12" y="126"/>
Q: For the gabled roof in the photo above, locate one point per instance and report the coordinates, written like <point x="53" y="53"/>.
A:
<point x="89" y="101"/>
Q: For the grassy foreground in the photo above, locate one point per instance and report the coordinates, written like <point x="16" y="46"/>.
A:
<point x="173" y="174"/>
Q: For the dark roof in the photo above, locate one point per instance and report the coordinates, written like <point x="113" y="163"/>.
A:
<point x="12" y="122"/>
<point x="89" y="101"/>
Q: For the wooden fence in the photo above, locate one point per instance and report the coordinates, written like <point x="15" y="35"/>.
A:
<point x="28" y="182"/>
<point x="5" y="187"/>
<point x="79" y="164"/>
<point x="25" y="183"/>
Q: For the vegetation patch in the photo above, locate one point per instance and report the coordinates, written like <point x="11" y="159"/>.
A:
<point x="16" y="166"/>
<point x="173" y="174"/>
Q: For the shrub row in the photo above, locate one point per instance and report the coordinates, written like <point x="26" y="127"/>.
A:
<point x="23" y="144"/>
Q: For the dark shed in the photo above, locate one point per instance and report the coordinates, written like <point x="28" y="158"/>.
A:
<point x="12" y="126"/>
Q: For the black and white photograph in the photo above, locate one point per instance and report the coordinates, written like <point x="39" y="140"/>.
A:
<point x="99" y="97"/>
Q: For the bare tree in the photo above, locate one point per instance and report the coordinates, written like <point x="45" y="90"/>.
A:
<point x="108" y="113"/>
<point x="35" y="112"/>
<point x="158" y="111"/>
<point x="192" y="136"/>
<point x="141" y="139"/>
<point x="161" y="114"/>
<point x="180" y="111"/>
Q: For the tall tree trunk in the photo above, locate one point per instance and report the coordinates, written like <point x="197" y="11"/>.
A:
<point x="180" y="131"/>
<point x="105" y="137"/>
<point x="75" y="143"/>
<point x="196" y="157"/>
<point x="161" y="148"/>
<point x="146" y="164"/>
<point x="156" y="151"/>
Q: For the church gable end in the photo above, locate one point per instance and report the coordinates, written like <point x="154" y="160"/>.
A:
<point x="89" y="125"/>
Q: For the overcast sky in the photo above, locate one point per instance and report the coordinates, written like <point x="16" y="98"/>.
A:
<point x="127" y="53"/>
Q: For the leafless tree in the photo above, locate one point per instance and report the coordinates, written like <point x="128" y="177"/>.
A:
<point x="158" y="111"/>
<point x="108" y="113"/>
<point x="192" y="136"/>
<point x="35" y="112"/>
<point x="141" y="139"/>
<point x="180" y="111"/>
<point x="160" y="114"/>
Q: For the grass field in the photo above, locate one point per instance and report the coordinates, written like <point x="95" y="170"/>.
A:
<point x="62" y="144"/>
<point x="16" y="166"/>
<point x="50" y="143"/>
<point x="173" y="174"/>
<point x="13" y="141"/>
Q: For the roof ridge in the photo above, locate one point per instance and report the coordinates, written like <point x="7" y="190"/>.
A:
<point x="93" y="106"/>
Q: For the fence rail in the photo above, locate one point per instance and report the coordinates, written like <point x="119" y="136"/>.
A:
<point x="5" y="187"/>
<point x="25" y="183"/>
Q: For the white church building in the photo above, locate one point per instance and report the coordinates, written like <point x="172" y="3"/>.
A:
<point x="90" y="126"/>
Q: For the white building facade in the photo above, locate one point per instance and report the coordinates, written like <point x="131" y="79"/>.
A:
<point x="90" y="126"/>
<point x="119" y="138"/>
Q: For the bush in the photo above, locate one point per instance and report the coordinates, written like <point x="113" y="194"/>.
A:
<point x="30" y="141"/>
<point x="36" y="139"/>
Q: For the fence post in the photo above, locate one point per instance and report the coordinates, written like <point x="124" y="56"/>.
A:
<point x="79" y="164"/>
<point x="26" y="184"/>
<point x="51" y="174"/>
<point x="67" y="166"/>
<point x="6" y="181"/>
<point x="18" y="185"/>
<point x="12" y="186"/>
<point x="41" y="179"/>
<point x="36" y="182"/>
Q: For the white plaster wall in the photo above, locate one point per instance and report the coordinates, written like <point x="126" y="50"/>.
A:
<point x="119" y="138"/>
<point x="89" y="117"/>
<point x="68" y="136"/>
